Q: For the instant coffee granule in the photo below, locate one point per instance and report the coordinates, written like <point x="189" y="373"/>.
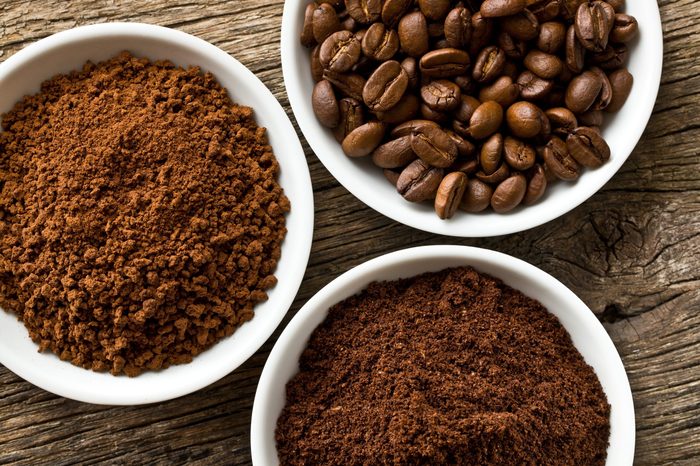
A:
<point x="140" y="217"/>
<point x="452" y="367"/>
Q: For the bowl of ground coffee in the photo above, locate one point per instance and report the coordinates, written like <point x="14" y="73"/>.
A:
<point x="444" y="355"/>
<point x="476" y="118"/>
<point x="156" y="213"/>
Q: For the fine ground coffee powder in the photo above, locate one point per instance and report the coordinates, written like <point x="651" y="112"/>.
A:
<point x="140" y="217"/>
<point x="452" y="367"/>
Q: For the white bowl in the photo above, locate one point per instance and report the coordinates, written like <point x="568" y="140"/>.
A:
<point x="368" y="184"/>
<point x="23" y="73"/>
<point x="587" y="333"/>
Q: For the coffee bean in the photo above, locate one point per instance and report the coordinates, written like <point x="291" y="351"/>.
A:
<point x="316" y="66"/>
<point x="364" y="139"/>
<point x="536" y="187"/>
<point x="612" y="58"/>
<point x="351" y="117"/>
<point x="428" y="113"/>
<point x="413" y="34"/>
<point x="485" y="120"/>
<point x="503" y="90"/>
<point x="464" y="147"/>
<point x="496" y="177"/>
<point x="405" y="110"/>
<point x="618" y="5"/>
<point x="349" y="24"/>
<point x="570" y="7"/>
<point x="468" y="167"/>
<point x="482" y="29"/>
<point x="552" y="37"/>
<point x="385" y="87"/>
<point x="410" y="65"/>
<point x="518" y="154"/>
<point x="325" y="22"/>
<point x="522" y="26"/>
<point x="434" y="9"/>
<point x="436" y="31"/>
<point x="477" y="197"/>
<point x="380" y="43"/>
<point x="434" y="146"/>
<point x="544" y="65"/>
<point x="307" y="30"/>
<point x="393" y="10"/>
<point x="591" y="118"/>
<point x="583" y="91"/>
<point x="593" y="24"/>
<point x="498" y="8"/>
<point x="544" y="10"/>
<point x="466" y="83"/>
<point x="466" y="108"/>
<point x="419" y="182"/>
<point x="340" y="52"/>
<point x="513" y="48"/>
<point x="458" y="27"/>
<point x="489" y="64"/>
<point x="524" y="119"/>
<point x="625" y="28"/>
<point x="444" y="63"/>
<point x="364" y="11"/>
<point x="350" y="84"/>
<point x="588" y="147"/>
<point x="391" y="176"/>
<point x="509" y="194"/>
<point x="559" y="161"/>
<point x="532" y="87"/>
<point x="605" y="95"/>
<point x="394" y="154"/>
<point x="575" y="52"/>
<point x="441" y="95"/>
<point x="621" y="83"/>
<point x="325" y="105"/>
<point x="491" y="154"/>
<point x="406" y="129"/>
<point x="562" y="119"/>
<point x="449" y="194"/>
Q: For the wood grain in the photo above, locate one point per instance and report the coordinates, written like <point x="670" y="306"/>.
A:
<point x="631" y="253"/>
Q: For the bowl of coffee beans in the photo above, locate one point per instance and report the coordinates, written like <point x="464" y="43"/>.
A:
<point x="156" y="213"/>
<point x="443" y="355"/>
<point x="472" y="118"/>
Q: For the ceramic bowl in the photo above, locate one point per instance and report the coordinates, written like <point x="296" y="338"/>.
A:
<point x="622" y="132"/>
<point x="587" y="333"/>
<point x="23" y="73"/>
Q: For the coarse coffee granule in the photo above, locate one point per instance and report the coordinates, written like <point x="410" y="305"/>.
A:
<point x="452" y="367"/>
<point x="140" y="216"/>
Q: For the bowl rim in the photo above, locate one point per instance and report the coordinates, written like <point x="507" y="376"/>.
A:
<point x="271" y="389"/>
<point x="365" y="186"/>
<point x="299" y="224"/>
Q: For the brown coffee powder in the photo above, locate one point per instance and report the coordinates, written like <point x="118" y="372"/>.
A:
<point x="140" y="217"/>
<point x="452" y="367"/>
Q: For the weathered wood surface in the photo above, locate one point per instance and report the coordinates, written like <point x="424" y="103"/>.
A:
<point x="631" y="253"/>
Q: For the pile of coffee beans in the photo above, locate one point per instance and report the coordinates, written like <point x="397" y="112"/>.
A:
<point x="470" y="104"/>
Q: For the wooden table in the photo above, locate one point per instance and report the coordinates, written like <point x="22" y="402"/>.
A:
<point x="631" y="253"/>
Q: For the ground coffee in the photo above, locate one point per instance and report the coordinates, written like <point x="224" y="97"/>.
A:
<point x="140" y="219"/>
<point x="451" y="367"/>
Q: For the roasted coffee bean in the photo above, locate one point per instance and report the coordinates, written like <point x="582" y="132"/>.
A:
<point x="364" y="11"/>
<point x="394" y="154"/>
<point x="419" y="181"/>
<point x="468" y="167"/>
<point x="340" y="52"/>
<point x="477" y="197"/>
<point x="591" y="118"/>
<point x="393" y="10"/>
<point x="612" y="58"/>
<point x="325" y="22"/>
<point x="621" y="83"/>
<point x="544" y="10"/>
<point x="464" y="147"/>
<point x="405" y="129"/>
<point x="466" y="108"/>
<point x="350" y="84"/>
<point x="575" y="52"/>
<point x="316" y="66"/>
<point x="413" y="34"/>
<point x="509" y="194"/>
<point x="593" y="24"/>
<point x="552" y="37"/>
<point x="351" y="117"/>
<point x="524" y="119"/>
<point x="618" y="5"/>
<point x="385" y="87"/>
<point x="466" y="83"/>
<point x="511" y="70"/>
<point x="436" y="31"/>
<point x="544" y="65"/>
<point x="428" y="113"/>
<point x="583" y="91"/>
<point x="588" y="147"/>
<point x="536" y="186"/>
<point x="441" y="95"/>
<point x="325" y="104"/>
<point x="625" y="28"/>
<point x="380" y="43"/>
<point x="411" y="66"/>
<point x="449" y="194"/>
<point x="559" y="161"/>
<point x="489" y="64"/>
<point x="405" y="110"/>
<point x="532" y="87"/>
<point x="498" y="8"/>
<point x="485" y="120"/>
<point x="307" y="30"/>
<point x="605" y="95"/>
<point x="496" y="177"/>
<point x="349" y="24"/>
<point x="515" y="49"/>
<point x="363" y="140"/>
<point x="391" y="176"/>
<point x="458" y="27"/>
<point x="482" y="29"/>
<point x="444" y="63"/>
<point x="503" y="90"/>
<point x="562" y="119"/>
<point x="518" y="154"/>
<point x="491" y="154"/>
<point x="434" y="9"/>
<point x="569" y="8"/>
<point x="441" y="44"/>
<point x="522" y="26"/>
<point x="434" y="146"/>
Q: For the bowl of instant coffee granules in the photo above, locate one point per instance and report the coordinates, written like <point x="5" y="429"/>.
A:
<point x="156" y="213"/>
<point x="444" y="355"/>
<point x="476" y="118"/>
